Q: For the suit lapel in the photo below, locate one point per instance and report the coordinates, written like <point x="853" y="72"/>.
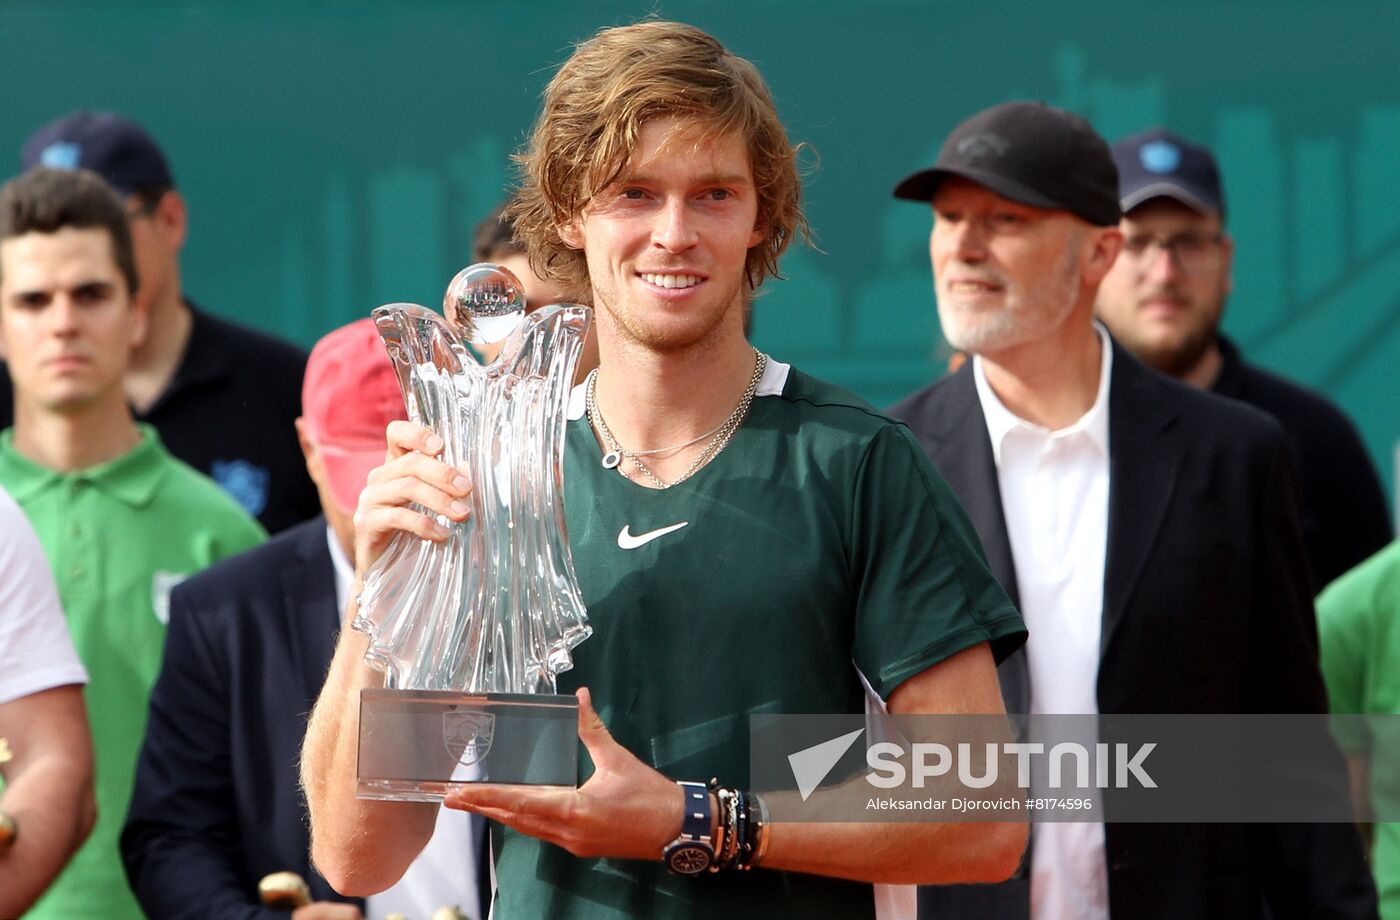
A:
<point x="1143" y="468"/>
<point x="313" y="620"/>
<point x="962" y="452"/>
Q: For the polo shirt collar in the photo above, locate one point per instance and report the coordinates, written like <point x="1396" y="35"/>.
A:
<point x="1001" y="421"/>
<point x="133" y="478"/>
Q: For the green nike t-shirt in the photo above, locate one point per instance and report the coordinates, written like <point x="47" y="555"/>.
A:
<point x="821" y="540"/>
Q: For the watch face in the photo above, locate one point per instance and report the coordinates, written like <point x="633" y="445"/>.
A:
<point x="689" y="859"/>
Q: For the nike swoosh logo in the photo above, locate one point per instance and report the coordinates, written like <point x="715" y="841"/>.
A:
<point x="625" y="540"/>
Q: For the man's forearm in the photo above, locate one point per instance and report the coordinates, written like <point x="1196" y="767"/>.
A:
<point x="941" y="853"/>
<point x="928" y="852"/>
<point x="360" y="846"/>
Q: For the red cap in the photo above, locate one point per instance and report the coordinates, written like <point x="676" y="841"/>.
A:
<point x="349" y="396"/>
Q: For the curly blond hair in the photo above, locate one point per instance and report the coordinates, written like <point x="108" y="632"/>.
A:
<point x="594" y="110"/>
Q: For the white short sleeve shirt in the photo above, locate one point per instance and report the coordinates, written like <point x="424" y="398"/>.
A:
<point x="36" y="652"/>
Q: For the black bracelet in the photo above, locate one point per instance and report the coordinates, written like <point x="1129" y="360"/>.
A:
<point x="754" y="845"/>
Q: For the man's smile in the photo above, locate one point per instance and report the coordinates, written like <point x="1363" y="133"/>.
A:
<point x="671" y="280"/>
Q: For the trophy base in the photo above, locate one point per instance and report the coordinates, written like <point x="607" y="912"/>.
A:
<point x="416" y="745"/>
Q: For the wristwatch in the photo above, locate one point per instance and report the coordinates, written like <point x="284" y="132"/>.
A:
<point x="693" y="851"/>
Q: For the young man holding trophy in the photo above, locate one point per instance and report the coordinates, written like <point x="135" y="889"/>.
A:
<point x="747" y="539"/>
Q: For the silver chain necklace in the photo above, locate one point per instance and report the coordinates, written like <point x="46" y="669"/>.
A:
<point x="720" y="435"/>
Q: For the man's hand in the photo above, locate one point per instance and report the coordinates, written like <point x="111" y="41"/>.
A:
<point x="411" y="474"/>
<point x="626" y="809"/>
<point x="362" y="846"/>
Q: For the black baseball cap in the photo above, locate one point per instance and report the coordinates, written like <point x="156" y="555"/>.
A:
<point x="116" y="148"/>
<point x="1030" y="153"/>
<point x="1158" y="164"/>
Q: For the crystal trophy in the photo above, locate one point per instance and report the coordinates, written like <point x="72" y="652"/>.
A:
<point x="472" y="632"/>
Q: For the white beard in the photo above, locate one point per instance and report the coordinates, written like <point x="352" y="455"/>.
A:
<point x="1025" y="316"/>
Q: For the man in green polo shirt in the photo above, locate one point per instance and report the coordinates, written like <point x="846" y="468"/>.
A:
<point x="121" y="521"/>
<point x="1358" y="626"/>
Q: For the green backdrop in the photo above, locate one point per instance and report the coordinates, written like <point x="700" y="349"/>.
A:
<point x="336" y="155"/>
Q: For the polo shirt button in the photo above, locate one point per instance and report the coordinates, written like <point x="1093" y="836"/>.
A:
<point x="76" y="573"/>
<point x="75" y="531"/>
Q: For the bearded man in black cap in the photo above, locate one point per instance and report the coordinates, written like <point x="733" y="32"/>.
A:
<point x="1148" y="532"/>
<point x="1164" y="300"/>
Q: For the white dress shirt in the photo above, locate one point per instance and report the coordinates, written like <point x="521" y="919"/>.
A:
<point x="444" y="874"/>
<point x="1054" y="497"/>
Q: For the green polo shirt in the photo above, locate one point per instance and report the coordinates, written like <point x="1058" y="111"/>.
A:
<point x="1358" y="624"/>
<point x="119" y="536"/>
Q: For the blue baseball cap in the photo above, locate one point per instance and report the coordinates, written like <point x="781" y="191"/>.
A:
<point x="116" y="148"/>
<point x="1159" y="164"/>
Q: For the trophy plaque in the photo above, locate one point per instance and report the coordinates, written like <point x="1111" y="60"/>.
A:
<point x="471" y="632"/>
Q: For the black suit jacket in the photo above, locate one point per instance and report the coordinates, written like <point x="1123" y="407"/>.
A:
<point x="1206" y="609"/>
<point x="217" y="803"/>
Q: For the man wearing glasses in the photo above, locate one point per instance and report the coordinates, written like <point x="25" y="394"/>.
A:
<point x="1163" y="300"/>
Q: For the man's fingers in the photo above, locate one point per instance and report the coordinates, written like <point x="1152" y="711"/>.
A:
<point x="403" y="437"/>
<point x="514" y="799"/>
<point x="537" y="816"/>
<point x="404" y="491"/>
<point x="385" y="520"/>
<point x="424" y="468"/>
<point x="546" y="829"/>
<point x="408" y="480"/>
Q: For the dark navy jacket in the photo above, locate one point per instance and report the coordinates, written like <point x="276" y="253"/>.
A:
<point x="217" y="803"/>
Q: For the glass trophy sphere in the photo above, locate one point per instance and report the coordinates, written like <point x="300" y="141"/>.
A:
<point x="484" y="303"/>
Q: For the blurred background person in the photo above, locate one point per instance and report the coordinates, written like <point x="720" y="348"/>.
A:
<point x="217" y="804"/>
<point x="1164" y="299"/>
<point x="121" y="521"/>
<point x="45" y="746"/>
<point x="222" y="396"/>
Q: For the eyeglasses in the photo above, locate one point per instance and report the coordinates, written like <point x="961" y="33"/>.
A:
<point x="1193" y="253"/>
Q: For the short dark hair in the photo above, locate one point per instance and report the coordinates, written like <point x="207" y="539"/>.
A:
<point x="495" y="235"/>
<point x="46" y="200"/>
<point x="149" y="196"/>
